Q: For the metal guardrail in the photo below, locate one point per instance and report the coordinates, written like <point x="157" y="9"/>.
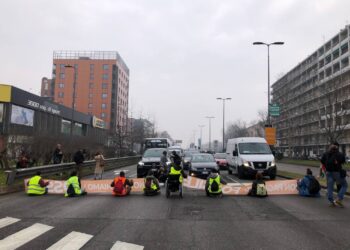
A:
<point x="110" y="163"/>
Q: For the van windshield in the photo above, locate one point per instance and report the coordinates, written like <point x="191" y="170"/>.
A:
<point x="254" y="148"/>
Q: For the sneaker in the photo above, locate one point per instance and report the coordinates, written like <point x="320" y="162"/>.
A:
<point x="332" y="204"/>
<point x="339" y="203"/>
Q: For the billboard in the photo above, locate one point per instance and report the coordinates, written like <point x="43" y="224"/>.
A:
<point x="22" y="116"/>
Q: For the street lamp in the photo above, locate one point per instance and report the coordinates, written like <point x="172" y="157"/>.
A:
<point x="268" y="75"/>
<point x="200" y="142"/>
<point x="68" y="66"/>
<point x="209" y="117"/>
<point x="223" y="120"/>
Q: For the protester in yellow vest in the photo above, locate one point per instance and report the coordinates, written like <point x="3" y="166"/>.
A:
<point x="36" y="185"/>
<point x="176" y="169"/>
<point x="151" y="185"/>
<point x="73" y="186"/>
<point x="213" y="186"/>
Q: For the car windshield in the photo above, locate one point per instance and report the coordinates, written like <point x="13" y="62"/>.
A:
<point x="250" y="148"/>
<point x="220" y="156"/>
<point x="153" y="153"/>
<point x="188" y="155"/>
<point x="203" y="158"/>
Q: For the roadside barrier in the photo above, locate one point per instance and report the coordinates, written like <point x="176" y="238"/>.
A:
<point x="277" y="187"/>
<point x="110" y="163"/>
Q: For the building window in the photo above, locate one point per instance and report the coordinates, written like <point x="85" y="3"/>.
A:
<point x="104" y="85"/>
<point x="62" y="67"/>
<point x="105" y="76"/>
<point x="104" y="96"/>
<point x="103" y="115"/>
<point x="91" y="85"/>
<point x="62" y="76"/>
<point x="90" y="106"/>
<point x="65" y="127"/>
<point x="103" y="105"/>
<point x="78" y="129"/>
<point x="92" y="76"/>
<point x="92" y="67"/>
<point x="344" y="48"/>
<point x="60" y="94"/>
<point x="105" y="66"/>
<point x="61" y="85"/>
<point x="90" y="95"/>
<point x="46" y="86"/>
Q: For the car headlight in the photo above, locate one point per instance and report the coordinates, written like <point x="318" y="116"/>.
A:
<point x="273" y="163"/>
<point x="185" y="161"/>
<point x="141" y="164"/>
<point x="246" y="164"/>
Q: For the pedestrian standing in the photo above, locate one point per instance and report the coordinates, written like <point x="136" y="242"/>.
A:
<point x="79" y="160"/>
<point x="57" y="155"/>
<point x="100" y="164"/>
<point x="333" y="160"/>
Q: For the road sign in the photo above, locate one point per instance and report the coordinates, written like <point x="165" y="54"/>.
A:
<point x="270" y="135"/>
<point x="274" y="109"/>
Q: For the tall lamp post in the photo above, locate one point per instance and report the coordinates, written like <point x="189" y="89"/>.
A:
<point x="68" y="66"/>
<point x="223" y="120"/>
<point x="200" y="143"/>
<point x="268" y="75"/>
<point x="209" y="117"/>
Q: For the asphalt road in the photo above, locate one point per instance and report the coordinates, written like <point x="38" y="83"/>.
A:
<point x="194" y="222"/>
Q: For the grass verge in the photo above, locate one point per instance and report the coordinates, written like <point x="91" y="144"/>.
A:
<point x="308" y="163"/>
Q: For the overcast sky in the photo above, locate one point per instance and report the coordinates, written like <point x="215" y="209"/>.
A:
<point x="181" y="54"/>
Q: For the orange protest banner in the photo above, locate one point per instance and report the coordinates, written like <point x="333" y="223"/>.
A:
<point x="270" y="135"/>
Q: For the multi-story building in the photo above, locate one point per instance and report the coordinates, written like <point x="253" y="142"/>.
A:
<point x="47" y="88"/>
<point x="315" y="100"/>
<point x="100" y="81"/>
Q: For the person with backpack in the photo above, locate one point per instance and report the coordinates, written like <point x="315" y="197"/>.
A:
<point x="73" y="186"/>
<point x="121" y="185"/>
<point x="309" y="185"/>
<point x="214" y="184"/>
<point x="333" y="160"/>
<point x="151" y="185"/>
<point x="258" y="187"/>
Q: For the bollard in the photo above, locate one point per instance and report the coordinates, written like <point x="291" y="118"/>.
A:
<point x="10" y="176"/>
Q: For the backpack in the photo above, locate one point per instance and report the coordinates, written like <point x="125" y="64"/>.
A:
<point x="214" y="186"/>
<point x="119" y="187"/>
<point x="261" y="190"/>
<point x="314" y="186"/>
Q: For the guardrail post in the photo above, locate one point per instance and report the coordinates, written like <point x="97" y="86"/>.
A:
<point x="10" y="176"/>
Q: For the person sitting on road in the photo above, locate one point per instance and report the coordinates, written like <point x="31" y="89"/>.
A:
<point x="121" y="185"/>
<point x="309" y="186"/>
<point x="151" y="185"/>
<point x="258" y="187"/>
<point x="214" y="184"/>
<point x="36" y="185"/>
<point x="73" y="186"/>
<point x="176" y="169"/>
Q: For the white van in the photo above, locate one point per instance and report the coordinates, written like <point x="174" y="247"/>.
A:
<point x="247" y="156"/>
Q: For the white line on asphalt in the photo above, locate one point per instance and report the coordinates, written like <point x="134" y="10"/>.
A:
<point x="133" y="175"/>
<point x="232" y="179"/>
<point x="7" y="221"/>
<point x="119" y="245"/>
<point x="22" y="237"/>
<point x="72" y="241"/>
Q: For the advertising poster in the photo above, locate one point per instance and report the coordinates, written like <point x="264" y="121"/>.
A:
<point x="22" y="116"/>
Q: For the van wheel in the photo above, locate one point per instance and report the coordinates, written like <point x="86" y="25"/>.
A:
<point x="240" y="173"/>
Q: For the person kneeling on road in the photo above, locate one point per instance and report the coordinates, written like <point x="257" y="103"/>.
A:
<point x="214" y="184"/>
<point x="73" y="186"/>
<point x="36" y="185"/>
<point x="309" y="186"/>
<point x="258" y="187"/>
<point x="151" y="185"/>
<point x="121" y="185"/>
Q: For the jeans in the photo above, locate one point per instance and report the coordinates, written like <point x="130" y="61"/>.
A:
<point x="334" y="177"/>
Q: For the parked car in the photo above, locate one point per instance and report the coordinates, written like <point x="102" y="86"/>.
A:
<point x="221" y="160"/>
<point x="201" y="165"/>
<point x="247" y="156"/>
<point x="150" y="161"/>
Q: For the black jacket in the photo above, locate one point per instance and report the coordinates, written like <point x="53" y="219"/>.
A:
<point x="333" y="161"/>
<point x="78" y="157"/>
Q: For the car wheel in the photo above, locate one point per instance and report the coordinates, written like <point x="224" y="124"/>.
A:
<point x="240" y="173"/>
<point x="229" y="171"/>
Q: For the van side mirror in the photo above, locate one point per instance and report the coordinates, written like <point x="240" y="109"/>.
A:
<point x="234" y="153"/>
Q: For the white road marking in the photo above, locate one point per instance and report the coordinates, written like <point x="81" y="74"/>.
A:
<point x="116" y="172"/>
<point x="119" y="245"/>
<point x="232" y="179"/>
<point x="72" y="241"/>
<point x="133" y="175"/>
<point x="22" y="237"/>
<point x="7" y="221"/>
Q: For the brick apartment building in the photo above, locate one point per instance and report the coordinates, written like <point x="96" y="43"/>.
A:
<point x="101" y="85"/>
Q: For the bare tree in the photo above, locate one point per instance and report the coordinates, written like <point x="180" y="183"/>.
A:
<point x="236" y="129"/>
